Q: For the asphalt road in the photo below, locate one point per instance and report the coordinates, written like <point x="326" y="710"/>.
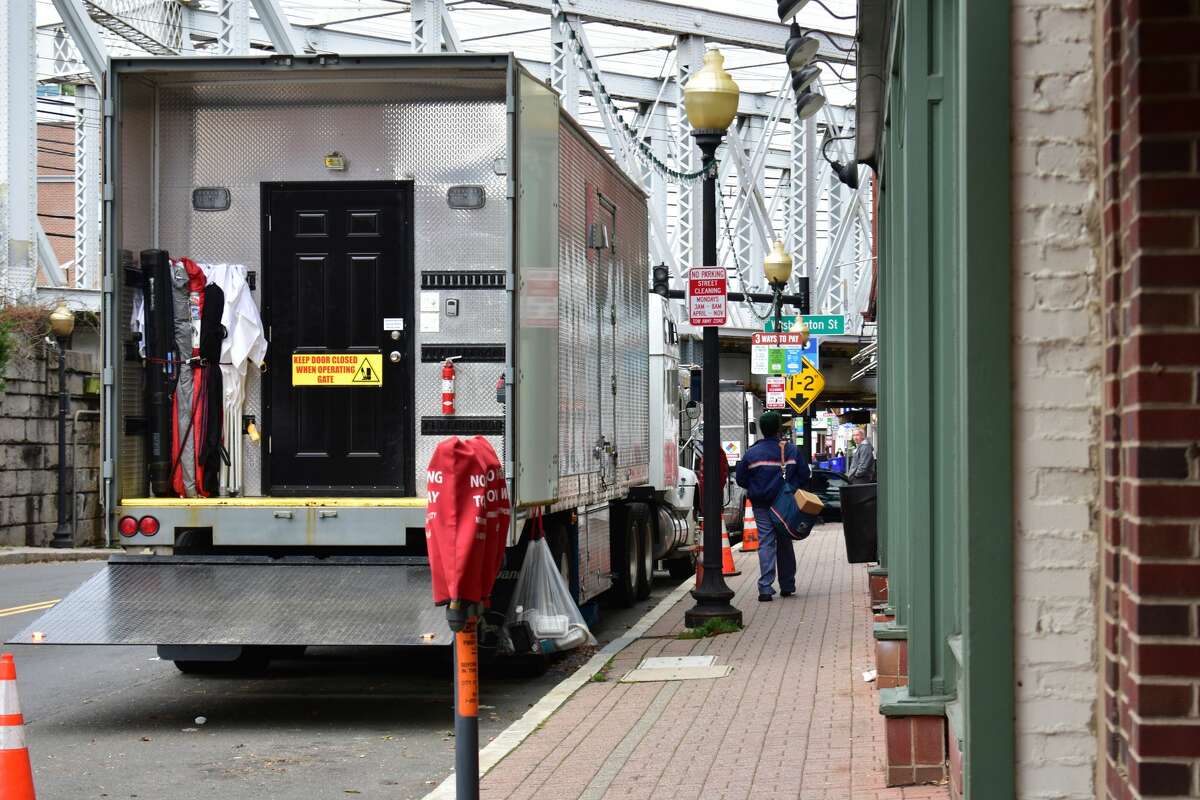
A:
<point x="117" y="722"/>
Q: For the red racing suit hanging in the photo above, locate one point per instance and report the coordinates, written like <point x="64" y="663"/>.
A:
<point x="197" y="445"/>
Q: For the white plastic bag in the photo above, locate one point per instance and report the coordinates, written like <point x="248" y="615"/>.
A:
<point x="542" y="600"/>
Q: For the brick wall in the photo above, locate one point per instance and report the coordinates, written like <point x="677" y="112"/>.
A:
<point x="1151" y="224"/>
<point x="29" y="451"/>
<point x="1057" y="370"/>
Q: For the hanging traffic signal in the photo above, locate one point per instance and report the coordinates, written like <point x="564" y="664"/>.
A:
<point x="789" y="8"/>
<point x="803" y="78"/>
<point x="660" y="280"/>
<point x="809" y="103"/>
<point x="799" y="48"/>
<point x="799" y="51"/>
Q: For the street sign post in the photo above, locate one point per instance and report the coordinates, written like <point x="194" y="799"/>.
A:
<point x="803" y="389"/>
<point x="777" y="392"/>
<point x="708" y="291"/>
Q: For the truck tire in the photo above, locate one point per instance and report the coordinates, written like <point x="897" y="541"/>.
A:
<point x="640" y="521"/>
<point x="252" y="661"/>
<point x="626" y="559"/>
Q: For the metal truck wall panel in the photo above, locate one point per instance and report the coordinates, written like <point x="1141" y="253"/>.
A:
<point x="603" y="361"/>
<point x="537" y="379"/>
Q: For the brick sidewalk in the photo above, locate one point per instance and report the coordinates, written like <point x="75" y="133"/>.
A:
<point x="794" y="720"/>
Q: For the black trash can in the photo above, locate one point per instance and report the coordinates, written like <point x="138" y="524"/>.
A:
<point x="859" y="522"/>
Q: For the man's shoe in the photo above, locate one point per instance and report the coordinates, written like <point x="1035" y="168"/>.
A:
<point x="787" y="594"/>
<point x="764" y="598"/>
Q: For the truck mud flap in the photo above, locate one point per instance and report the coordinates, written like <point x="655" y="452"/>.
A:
<point x="245" y="600"/>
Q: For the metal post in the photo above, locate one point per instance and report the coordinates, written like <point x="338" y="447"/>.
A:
<point x="802" y="285"/>
<point x="466" y="712"/>
<point x="63" y="535"/>
<point x="713" y="596"/>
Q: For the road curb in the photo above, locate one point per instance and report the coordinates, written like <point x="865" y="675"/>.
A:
<point x="514" y="734"/>
<point x="49" y="556"/>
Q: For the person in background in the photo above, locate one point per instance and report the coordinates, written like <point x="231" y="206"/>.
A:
<point x="762" y="472"/>
<point x="862" y="460"/>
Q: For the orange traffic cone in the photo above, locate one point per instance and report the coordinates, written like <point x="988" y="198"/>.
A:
<point x="727" y="567"/>
<point x="749" y="530"/>
<point x="16" y="775"/>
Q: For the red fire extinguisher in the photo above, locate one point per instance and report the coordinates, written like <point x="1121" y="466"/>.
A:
<point x="448" y="387"/>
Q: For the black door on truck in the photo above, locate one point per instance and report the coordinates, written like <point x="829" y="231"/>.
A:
<point x="338" y="281"/>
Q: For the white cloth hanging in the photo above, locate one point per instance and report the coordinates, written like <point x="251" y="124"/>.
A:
<point x="245" y="341"/>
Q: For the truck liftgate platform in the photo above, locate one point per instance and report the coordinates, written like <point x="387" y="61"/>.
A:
<point x="248" y="600"/>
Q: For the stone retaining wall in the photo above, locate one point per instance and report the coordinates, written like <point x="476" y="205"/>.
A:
<point x="29" y="450"/>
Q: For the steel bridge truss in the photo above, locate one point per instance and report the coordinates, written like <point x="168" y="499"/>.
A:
<point x="773" y="181"/>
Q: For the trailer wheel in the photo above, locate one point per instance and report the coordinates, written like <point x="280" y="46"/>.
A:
<point x="626" y="558"/>
<point x="645" y="573"/>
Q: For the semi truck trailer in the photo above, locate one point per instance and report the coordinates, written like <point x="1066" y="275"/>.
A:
<point x="412" y="217"/>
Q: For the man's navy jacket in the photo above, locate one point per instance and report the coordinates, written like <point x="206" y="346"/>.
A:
<point x="760" y="475"/>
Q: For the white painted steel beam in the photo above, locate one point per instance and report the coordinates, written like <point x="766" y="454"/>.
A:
<point x="203" y="24"/>
<point x="564" y="64"/>
<point x="426" y="26"/>
<point x="86" y="39"/>
<point x="233" y="35"/>
<point x="622" y="150"/>
<point x="117" y="21"/>
<point x="88" y="267"/>
<point x="721" y="27"/>
<point x="47" y="260"/>
<point x="689" y="57"/>
<point x="18" y="151"/>
<point x="275" y="21"/>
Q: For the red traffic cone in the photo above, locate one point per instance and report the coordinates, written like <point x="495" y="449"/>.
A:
<point x="749" y="529"/>
<point x="16" y="775"/>
<point x="727" y="567"/>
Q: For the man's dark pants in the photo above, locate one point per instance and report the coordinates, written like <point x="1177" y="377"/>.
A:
<point x="771" y="551"/>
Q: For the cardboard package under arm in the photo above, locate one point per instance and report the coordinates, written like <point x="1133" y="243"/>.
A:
<point x="809" y="503"/>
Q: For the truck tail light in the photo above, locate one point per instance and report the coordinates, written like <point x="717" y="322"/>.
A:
<point x="148" y="526"/>
<point x="128" y="526"/>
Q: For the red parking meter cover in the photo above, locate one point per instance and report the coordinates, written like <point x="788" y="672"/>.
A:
<point x="498" y="512"/>
<point x="456" y="525"/>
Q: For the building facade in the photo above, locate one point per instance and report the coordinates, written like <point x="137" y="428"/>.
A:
<point x="1038" y="174"/>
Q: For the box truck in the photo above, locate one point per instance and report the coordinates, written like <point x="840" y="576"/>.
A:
<point x="422" y="246"/>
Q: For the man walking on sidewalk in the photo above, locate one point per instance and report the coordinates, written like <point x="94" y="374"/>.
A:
<point x="762" y="472"/>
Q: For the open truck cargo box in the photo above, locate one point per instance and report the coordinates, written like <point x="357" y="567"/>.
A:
<point x="248" y="600"/>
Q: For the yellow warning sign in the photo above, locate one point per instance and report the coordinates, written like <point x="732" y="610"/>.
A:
<point x="803" y="388"/>
<point x="337" y="369"/>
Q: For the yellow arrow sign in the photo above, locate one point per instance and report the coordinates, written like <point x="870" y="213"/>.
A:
<point x="804" y="387"/>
